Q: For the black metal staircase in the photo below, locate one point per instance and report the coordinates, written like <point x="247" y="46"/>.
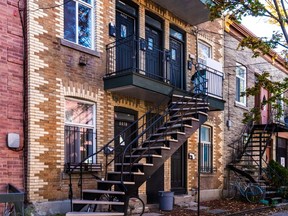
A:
<point x="156" y="142"/>
<point x="249" y="158"/>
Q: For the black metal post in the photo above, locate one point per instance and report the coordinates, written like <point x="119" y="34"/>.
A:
<point x="199" y="169"/>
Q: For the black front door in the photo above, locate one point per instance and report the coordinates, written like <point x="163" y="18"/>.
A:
<point x="125" y="43"/>
<point x="154" y="54"/>
<point x="123" y="119"/>
<point x="176" y="64"/>
<point x="178" y="170"/>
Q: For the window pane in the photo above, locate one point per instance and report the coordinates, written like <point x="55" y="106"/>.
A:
<point x="84" y="26"/>
<point x="87" y="1"/>
<point x="70" y="21"/>
<point x="204" y="51"/>
<point x="176" y="34"/>
<point x="205" y="134"/>
<point x="77" y="112"/>
<point x="240" y="72"/>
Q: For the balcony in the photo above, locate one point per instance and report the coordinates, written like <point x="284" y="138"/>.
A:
<point x="214" y="85"/>
<point x="193" y="12"/>
<point x="135" y="69"/>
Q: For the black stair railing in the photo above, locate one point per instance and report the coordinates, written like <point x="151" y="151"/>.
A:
<point x="245" y="139"/>
<point x="109" y="148"/>
<point x="199" y="91"/>
<point x="160" y="113"/>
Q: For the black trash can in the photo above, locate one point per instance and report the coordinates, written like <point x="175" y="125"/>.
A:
<point x="166" y="200"/>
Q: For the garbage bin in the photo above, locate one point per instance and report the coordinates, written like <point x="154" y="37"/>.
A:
<point x="166" y="200"/>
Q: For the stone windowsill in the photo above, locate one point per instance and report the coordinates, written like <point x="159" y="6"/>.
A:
<point x="79" y="48"/>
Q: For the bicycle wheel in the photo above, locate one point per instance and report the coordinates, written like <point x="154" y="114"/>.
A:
<point x="254" y="194"/>
<point x="135" y="206"/>
<point x="9" y="210"/>
<point x="230" y="192"/>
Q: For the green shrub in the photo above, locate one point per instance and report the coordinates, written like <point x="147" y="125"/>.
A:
<point x="277" y="174"/>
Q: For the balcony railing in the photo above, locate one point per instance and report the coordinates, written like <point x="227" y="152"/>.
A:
<point x="134" y="54"/>
<point x="214" y="79"/>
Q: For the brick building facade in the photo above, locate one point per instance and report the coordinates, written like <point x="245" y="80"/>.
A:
<point x="11" y="100"/>
<point x="65" y="76"/>
<point x="241" y="67"/>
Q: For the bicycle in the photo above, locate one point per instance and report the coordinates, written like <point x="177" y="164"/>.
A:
<point x="135" y="205"/>
<point x="252" y="193"/>
<point x="9" y="210"/>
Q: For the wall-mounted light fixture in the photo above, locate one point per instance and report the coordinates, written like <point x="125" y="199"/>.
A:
<point x="83" y="60"/>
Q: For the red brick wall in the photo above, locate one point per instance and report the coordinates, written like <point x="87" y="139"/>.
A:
<point x="11" y="92"/>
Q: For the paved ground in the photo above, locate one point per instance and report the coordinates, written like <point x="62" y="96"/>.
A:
<point x="224" y="208"/>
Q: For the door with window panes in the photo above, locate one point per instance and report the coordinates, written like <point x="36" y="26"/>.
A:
<point x="124" y="131"/>
<point x="80" y="133"/>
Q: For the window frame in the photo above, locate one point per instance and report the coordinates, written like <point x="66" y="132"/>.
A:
<point x="93" y="27"/>
<point x="85" y="126"/>
<point x="201" y="60"/>
<point x="238" y="93"/>
<point x="206" y="168"/>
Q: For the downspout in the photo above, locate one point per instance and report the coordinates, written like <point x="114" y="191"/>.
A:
<point x="23" y="16"/>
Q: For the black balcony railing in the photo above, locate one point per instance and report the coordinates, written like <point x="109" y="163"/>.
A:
<point x="214" y="80"/>
<point x="137" y="55"/>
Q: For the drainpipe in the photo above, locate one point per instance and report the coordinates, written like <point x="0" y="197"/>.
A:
<point x="23" y="16"/>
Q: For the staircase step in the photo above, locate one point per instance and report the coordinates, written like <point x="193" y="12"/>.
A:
<point x="94" y="213"/>
<point x="143" y="156"/>
<point x="103" y="192"/>
<point x="115" y="182"/>
<point x="160" y="141"/>
<point x="186" y="97"/>
<point x="96" y="202"/>
<point x="152" y="148"/>
<point x="175" y="126"/>
<point x="168" y="133"/>
<point x="189" y="108"/>
<point x="126" y="173"/>
<point x="135" y="164"/>
<point x="190" y="103"/>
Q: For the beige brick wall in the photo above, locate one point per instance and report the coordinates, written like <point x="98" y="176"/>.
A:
<point x="54" y="73"/>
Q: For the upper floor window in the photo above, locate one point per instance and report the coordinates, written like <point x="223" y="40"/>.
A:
<point x="80" y="138"/>
<point x="206" y="150"/>
<point x="204" y="52"/>
<point x="78" y="19"/>
<point x="240" y="84"/>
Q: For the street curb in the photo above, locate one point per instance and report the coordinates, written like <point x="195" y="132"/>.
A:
<point x="251" y="210"/>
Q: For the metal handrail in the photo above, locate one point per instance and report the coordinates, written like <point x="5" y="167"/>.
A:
<point x="198" y="91"/>
<point x="201" y="91"/>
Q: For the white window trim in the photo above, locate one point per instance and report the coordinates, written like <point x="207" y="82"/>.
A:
<point x="245" y="84"/>
<point x="93" y="126"/>
<point x="92" y="7"/>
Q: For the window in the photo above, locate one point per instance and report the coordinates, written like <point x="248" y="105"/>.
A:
<point x="78" y="21"/>
<point x="204" y="52"/>
<point x="80" y="138"/>
<point x="206" y="150"/>
<point x="240" y="84"/>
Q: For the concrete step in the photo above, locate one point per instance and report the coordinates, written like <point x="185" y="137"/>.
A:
<point x="94" y="213"/>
